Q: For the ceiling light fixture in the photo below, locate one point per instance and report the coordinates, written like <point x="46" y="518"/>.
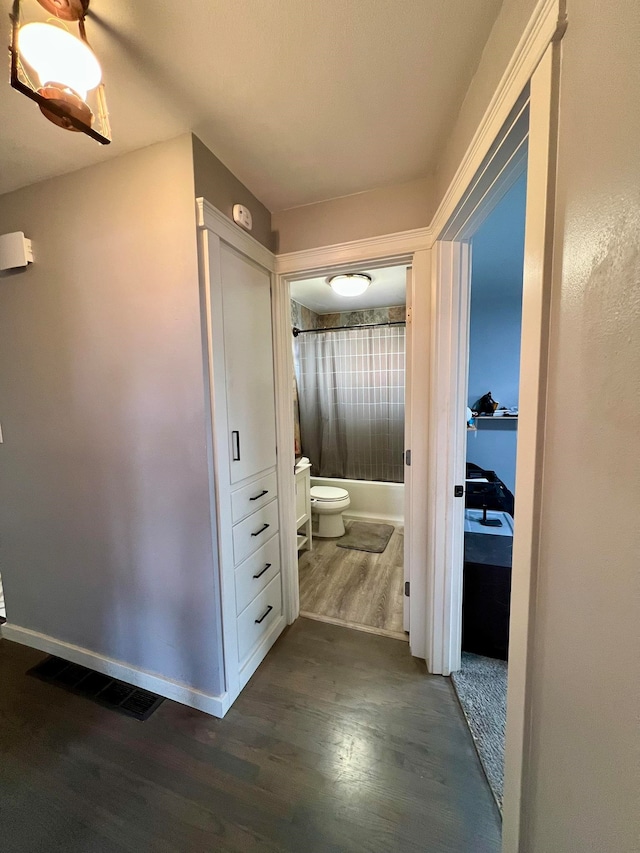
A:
<point x="351" y="284"/>
<point x="65" y="67"/>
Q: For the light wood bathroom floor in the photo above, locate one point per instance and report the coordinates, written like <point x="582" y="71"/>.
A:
<point x="354" y="588"/>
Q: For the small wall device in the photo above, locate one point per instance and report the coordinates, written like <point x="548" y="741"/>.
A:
<point x="242" y="216"/>
<point x="15" y="251"/>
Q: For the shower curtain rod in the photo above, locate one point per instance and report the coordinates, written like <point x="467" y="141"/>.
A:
<point x="297" y="332"/>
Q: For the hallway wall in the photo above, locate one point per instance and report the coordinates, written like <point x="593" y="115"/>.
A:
<point x="104" y="495"/>
<point x="584" y="788"/>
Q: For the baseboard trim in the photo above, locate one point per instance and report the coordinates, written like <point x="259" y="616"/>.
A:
<point x="217" y="706"/>
<point x="260" y="653"/>
<point x="374" y="519"/>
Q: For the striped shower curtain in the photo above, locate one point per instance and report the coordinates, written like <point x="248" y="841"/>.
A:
<point x="351" y="402"/>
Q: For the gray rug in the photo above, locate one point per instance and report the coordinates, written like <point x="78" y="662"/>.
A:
<point x="365" y="536"/>
<point x="481" y="686"/>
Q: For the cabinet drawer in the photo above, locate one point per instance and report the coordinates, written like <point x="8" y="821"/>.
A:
<point x="256" y="620"/>
<point x="254" y="496"/>
<point x="256" y="572"/>
<point x="250" y="534"/>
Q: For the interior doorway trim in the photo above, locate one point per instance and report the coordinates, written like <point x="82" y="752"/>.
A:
<point x="449" y="375"/>
<point x="407" y="248"/>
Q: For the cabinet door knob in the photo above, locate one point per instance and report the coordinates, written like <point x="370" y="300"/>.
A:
<point x="264" y="615"/>
<point x="262" y="530"/>
<point x="260" y="573"/>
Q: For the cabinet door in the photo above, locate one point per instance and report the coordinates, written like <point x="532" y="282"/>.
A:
<point x="248" y="349"/>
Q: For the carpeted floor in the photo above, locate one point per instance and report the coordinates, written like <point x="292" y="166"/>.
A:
<point x="481" y="686"/>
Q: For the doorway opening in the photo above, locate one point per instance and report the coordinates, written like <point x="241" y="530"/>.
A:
<point x="493" y="375"/>
<point x="349" y="421"/>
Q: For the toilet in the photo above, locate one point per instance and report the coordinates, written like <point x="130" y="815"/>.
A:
<point x="329" y="503"/>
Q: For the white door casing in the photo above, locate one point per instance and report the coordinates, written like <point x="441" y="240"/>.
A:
<point x="351" y="257"/>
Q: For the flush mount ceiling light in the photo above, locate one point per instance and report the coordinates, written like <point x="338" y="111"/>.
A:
<point x="351" y="284"/>
<point x="64" y="66"/>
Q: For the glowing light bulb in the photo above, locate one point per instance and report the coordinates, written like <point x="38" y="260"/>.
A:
<point x="59" y="57"/>
<point x="350" y="285"/>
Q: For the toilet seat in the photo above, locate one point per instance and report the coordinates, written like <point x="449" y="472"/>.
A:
<point x="328" y="493"/>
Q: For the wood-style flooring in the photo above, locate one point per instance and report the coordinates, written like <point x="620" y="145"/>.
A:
<point x="340" y="742"/>
<point x="354" y="588"/>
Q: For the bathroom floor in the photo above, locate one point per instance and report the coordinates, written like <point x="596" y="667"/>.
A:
<point x="354" y="588"/>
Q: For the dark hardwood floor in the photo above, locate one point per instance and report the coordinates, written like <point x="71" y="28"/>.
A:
<point x="340" y="742"/>
<point x="355" y="588"/>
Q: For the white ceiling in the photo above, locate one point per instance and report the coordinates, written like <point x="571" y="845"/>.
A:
<point x="302" y="100"/>
<point x="388" y="287"/>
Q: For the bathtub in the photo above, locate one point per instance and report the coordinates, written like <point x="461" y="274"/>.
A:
<point x="370" y="500"/>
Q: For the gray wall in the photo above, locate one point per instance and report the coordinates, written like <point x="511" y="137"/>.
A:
<point x="584" y="784"/>
<point x="104" y="502"/>
<point x="222" y="189"/>
<point x="495" y="328"/>
<point x="355" y="217"/>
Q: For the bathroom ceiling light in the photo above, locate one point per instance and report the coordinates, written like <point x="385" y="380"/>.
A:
<point x="64" y="66"/>
<point x="351" y="284"/>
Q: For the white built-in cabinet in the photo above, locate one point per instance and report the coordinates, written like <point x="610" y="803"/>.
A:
<point x="304" y="534"/>
<point x="236" y="290"/>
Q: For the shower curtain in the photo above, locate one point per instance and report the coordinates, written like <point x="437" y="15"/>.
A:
<point x="351" y="401"/>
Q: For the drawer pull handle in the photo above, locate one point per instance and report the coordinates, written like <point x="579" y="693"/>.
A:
<point x="262" y="530"/>
<point x="264" y="615"/>
<point x="268" y="566"/>
<point x="261" y="495"/>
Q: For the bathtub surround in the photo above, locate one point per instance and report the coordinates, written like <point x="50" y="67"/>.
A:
<point x="304" y="318"/>
<point x="395" y="314"/>
<point x="370" y="500"/>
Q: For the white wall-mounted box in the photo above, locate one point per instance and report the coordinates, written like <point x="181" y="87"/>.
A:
<point x="15" y="251"/>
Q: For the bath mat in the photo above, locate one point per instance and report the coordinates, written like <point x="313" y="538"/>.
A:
<point x="107" y="691"/>
<point x="365" y="536"/>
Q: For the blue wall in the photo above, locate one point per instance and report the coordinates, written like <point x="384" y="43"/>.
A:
<point x="497" y="260"/>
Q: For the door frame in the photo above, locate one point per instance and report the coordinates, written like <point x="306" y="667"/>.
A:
<point x="449" y="378"/>
<point x="410" y="248"/>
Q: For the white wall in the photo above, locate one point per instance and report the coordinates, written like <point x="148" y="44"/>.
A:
<point x="583" y="792"/>
<point x="104" y="502"/>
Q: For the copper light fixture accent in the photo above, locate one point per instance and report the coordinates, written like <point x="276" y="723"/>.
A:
<point x="65" y="65"/>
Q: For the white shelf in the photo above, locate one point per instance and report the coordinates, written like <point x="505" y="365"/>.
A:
<point x="301" y="541"/>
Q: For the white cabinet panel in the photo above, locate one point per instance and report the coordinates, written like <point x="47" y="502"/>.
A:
<point x="254" y="531"/>
<point x="250" y="498"/>
<point x="248" y="351"/>
<point x="256" y="620"/>
<point x="256" y="572"/>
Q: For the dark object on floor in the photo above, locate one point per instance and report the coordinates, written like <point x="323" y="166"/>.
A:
<point x="103" y="689"/>
<point x="364" y="536"/>
<point x="481" y="686"/>
<point x="486" y="594"/>
<point x="492" y="494"/>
